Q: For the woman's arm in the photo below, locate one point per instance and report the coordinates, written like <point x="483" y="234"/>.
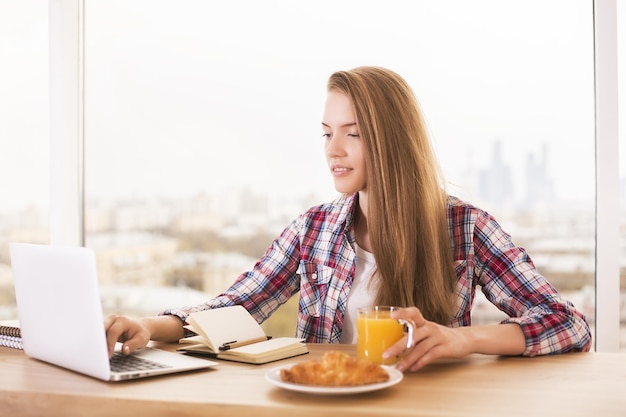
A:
<point x="261" y="291"/>
<point x="433" y="341"/>
<point x="508" y="277"/>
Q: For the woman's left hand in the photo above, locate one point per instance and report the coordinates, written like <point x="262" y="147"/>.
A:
<point x="430" y="341"/>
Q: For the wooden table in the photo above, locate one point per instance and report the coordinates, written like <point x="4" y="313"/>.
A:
<point x="577" y="384"/>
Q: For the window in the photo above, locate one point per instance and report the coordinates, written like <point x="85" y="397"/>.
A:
<point x="24" y="127"/>
<point x="202" y="136"/>
<point x="203" y="128"/>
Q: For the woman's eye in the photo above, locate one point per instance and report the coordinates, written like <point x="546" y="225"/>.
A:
<point x="353" y="135"/>
<point x="326" y="135"/>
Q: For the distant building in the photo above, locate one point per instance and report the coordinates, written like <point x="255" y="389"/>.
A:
<point x="495" y="182"/>
<point x="211" y="273"/>
<point x="539" y="188"/>
<point x="133" y="258"/>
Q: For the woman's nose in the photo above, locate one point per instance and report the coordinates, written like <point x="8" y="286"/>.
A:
<point x="334" y="147"/>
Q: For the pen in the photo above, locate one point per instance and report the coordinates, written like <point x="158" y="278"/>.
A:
<point x="235" y="344"/>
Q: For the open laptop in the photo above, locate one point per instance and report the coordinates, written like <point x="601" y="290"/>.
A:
<point x="61" y="319"/>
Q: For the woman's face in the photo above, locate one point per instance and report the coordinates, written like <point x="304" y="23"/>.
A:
<point x="343" y="145"/>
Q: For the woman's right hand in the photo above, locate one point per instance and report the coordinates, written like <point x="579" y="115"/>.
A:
<point x="132" y="333"/>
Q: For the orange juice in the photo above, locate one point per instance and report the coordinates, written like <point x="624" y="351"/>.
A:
<point x="376" y="332"/>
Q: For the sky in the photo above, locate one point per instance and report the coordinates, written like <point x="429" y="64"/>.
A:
<point x="195" y="96"/>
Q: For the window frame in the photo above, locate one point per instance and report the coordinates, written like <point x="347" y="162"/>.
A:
<point x="67" y="134"/>
<point x="607" y="177"/>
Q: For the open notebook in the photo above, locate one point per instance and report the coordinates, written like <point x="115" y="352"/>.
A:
<point x="61" y="320"/>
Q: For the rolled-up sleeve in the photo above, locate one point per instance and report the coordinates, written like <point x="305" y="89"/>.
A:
<point x="509" y="279"/>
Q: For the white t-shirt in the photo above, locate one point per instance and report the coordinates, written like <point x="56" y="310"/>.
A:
<point x="361" y="292"/>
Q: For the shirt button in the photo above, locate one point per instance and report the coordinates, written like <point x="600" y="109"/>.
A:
<point x="313" y="277"/>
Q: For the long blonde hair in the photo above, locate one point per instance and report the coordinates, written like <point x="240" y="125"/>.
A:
<point x="407" y="220"/>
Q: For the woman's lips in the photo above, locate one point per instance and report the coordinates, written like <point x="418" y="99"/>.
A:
<point x="338" y="170"/>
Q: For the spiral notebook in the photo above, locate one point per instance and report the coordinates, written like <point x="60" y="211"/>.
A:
<point x="10" y="334"/>
<point x="61" y="319"/>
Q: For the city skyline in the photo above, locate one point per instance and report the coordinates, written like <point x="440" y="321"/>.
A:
<point x="165" y="117"/>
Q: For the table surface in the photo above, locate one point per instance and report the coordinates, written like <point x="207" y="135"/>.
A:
<point x="584" y="384"/>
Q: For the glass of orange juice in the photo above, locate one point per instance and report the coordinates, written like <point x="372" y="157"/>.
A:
<point x="377" y="331"/>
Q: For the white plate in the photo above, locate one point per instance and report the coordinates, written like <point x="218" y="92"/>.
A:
<point x="273" y="376"/>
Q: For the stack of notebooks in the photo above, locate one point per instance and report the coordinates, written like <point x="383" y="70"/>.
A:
<point x="10" y="335"/>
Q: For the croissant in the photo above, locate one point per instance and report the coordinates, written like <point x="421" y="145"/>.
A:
<point x="335" y="369"/>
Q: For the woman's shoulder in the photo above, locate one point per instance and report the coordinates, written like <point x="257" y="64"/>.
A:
<point x="455" y="204"/>
<point x="461" y="211"/>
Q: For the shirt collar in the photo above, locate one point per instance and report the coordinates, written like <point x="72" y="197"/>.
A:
<point x="348" y="204"/>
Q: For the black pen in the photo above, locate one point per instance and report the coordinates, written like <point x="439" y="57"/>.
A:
<point x="235" y="344"/>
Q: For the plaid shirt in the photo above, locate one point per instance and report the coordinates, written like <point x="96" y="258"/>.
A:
<point x="315" y="256"/>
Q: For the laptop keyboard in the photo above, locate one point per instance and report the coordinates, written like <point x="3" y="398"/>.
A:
<point x="124" y="363"/>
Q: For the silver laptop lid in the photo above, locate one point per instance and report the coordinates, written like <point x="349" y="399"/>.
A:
<point x="61" y="318"/>
<point x="59" y="307"/>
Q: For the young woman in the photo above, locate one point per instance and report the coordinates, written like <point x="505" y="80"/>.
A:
<point x="393" y="237"/>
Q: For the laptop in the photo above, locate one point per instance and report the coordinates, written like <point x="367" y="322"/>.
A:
<point x="61" y="319"/>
